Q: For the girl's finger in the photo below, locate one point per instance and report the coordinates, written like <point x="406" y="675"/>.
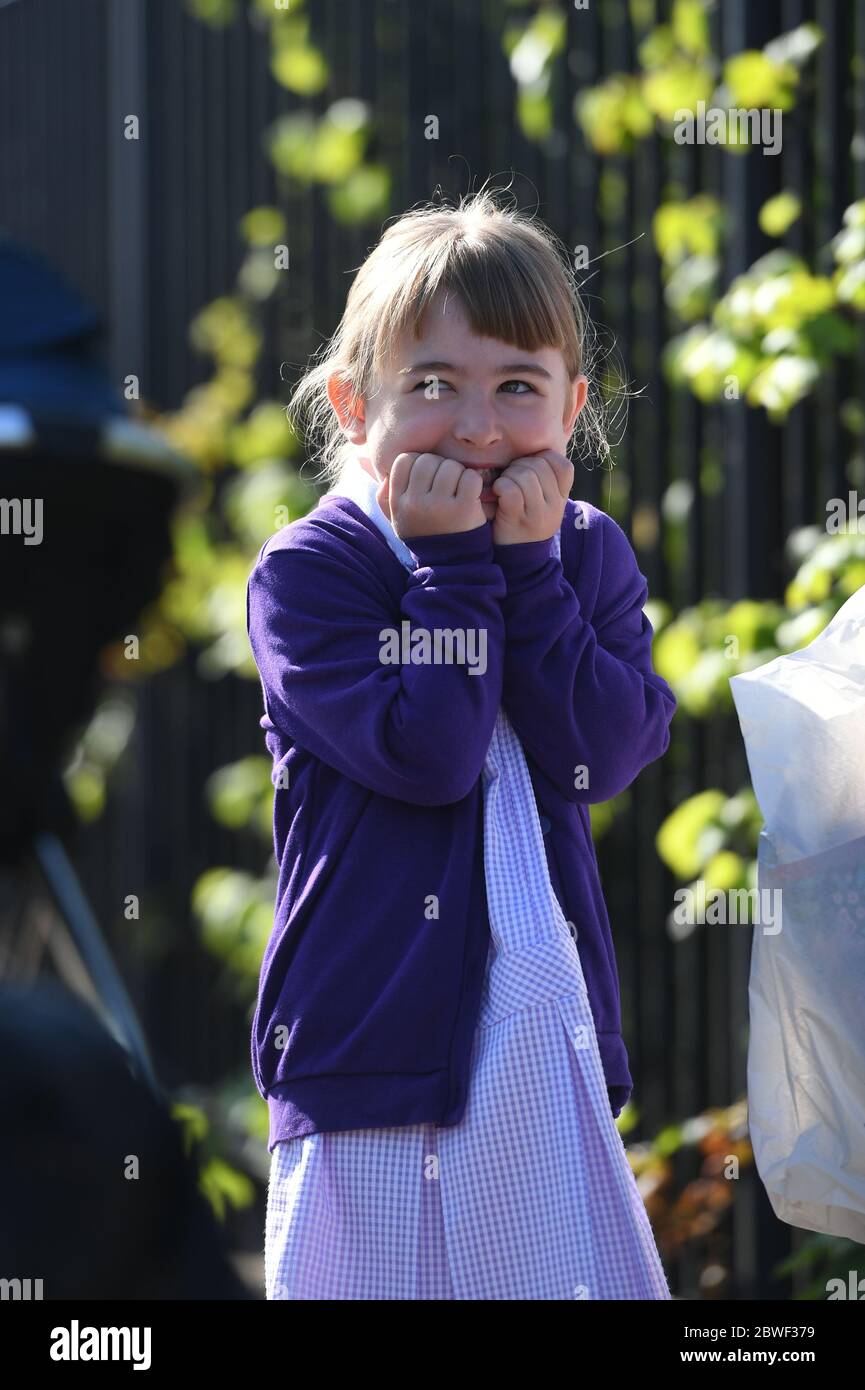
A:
<point x="423" y="473"/>
<point x="525" y="474"/>
<point x="399" y="476"/>
<point x="448" y="477"/>
<point x="469" y="483"/>
<point x="503" y="482"/>
<point x="562" y="470"/>
<point x="510" y="495"/>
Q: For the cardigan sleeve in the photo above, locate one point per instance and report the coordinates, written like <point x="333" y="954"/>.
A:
<point x="318" y="612"/>
<point x="582" y="694"/>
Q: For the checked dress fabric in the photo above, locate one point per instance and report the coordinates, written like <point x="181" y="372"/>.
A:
<point x="530" y="1195"/>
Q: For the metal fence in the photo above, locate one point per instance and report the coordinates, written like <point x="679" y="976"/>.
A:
<point x="148" y="230"/>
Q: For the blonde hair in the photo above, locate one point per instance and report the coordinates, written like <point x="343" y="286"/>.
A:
<point x="514" y="280"/>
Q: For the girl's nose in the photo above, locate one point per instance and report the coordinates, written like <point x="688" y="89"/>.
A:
<point x="477" y="425"/>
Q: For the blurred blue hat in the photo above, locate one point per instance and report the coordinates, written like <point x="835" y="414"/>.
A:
<point x="54" y="388"/>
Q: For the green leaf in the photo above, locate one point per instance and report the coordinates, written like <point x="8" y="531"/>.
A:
<point x="85" y="786"/>
<point x="233" y="792"/>
<point x="782" y="384"/>
<point x="678" y="837"/>
<point x="642" y="13"/>
<point x="264" y="434"/>
<point x="542" y="39"/>
<point x="779" y="213"/>
<point x="691" y="227"/>
<point x="299" y="68"/>
<point x="612" y="112"/>
<point x="290" y="144"/>
<point x="223" y="1184"/>
<point x="751" y="621"/>
<point x="363" y="196"/>
<point x="850" y="286"/>
<point x="217" y="13"/>
<point x="830" y="335"/>
<point x="705" y="688"/>
<point x="675" y="651"/>
<point x="657" y="48"/>
<point x="800" y="631"/>
<point x="236" y="915"/>
<point x="534" y="112"/>
<point x="690" y="26"/>
<point x="677" y="87"/>
<point x="263" y="226"/>
<point x="710" y="363"/>
<point x="691" y="286"/>
<point x="668" y="1141"/>
<point x="193" y="1121"/>
<point x="754" y="81"/>
<point x="853" y="415"/>
<point x="337" y="151"/>
<point x="849" y="244"/>
<point x="724" y="871"/>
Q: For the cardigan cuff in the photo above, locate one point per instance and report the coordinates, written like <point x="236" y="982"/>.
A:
<point x="453" y="547"/>
<point x="523" y="559"/>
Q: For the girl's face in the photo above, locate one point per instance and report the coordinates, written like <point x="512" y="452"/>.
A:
<point x="487" y="404"/>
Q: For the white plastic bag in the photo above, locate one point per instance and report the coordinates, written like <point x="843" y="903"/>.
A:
<point x="803" y="722"/>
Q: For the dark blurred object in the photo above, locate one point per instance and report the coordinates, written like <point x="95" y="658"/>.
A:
<point x="73" y="1118"/>
<point x="103" y="487"/>
<point x="86" y="498"/>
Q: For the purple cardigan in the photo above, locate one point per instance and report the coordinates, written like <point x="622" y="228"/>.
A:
<point x="367" y="1000"/>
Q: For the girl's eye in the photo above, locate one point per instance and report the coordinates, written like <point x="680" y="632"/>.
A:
<point x="423" y="386"/>
<point x="430" y="386"/>
<point x="516" y="382"/>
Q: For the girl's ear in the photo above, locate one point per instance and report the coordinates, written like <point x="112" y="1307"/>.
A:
<point x="349" y="408"/>
<point x="579" y="389"/>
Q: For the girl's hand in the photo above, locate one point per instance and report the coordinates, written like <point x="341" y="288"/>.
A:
<point x="427" y="495"/>
<point x="532" y="493"/>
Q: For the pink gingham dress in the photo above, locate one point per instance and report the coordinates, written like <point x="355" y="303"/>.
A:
<point x="530" y="1195"/>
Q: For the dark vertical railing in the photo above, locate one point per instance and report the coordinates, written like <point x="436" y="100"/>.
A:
<point x="130" y="256"/>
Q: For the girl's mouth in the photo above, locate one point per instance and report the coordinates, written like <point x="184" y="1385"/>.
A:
<point x="488" y="477"/>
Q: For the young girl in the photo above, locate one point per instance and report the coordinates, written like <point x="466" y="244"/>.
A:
<point x="455" y="664"/>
